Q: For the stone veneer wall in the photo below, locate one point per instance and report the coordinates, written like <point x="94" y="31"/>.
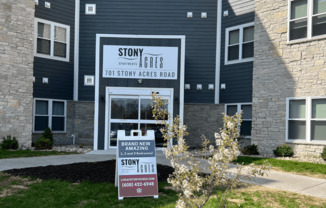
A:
<point x="16" y="69"/>
<point x="202" y="119"/>
<point x="282" y="70"/>
<point x="84" y="122"/>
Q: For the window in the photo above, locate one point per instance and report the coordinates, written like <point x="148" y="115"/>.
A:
<point x="306" y="119"/>
<point x="307" y="19"/>
<point x="51" y="40"/>
<point x="134" y="112"/>
<point x="49" y="113"/>
<point x="239" y="44"/>
<point x="232" y="109"/>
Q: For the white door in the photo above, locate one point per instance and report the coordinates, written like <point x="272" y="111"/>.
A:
<point x="130" y="109"/>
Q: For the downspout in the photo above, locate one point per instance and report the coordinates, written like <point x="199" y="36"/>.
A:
<point x="218" y="51"/>
<point x="76" y="49"/>
<point x="73" y="136"/>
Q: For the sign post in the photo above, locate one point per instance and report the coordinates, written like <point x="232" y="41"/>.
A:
<point x="136" y="172"/>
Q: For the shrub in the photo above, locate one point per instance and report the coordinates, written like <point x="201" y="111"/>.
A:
<point x="47" y="134"/>
<point x="283" y="151"/>
<point x="46" y="141"/>
<point x="9" y="143"/>
<point x="43" y="143"/>
<point x="250" y="150"/>
<point x="323" y="154"/>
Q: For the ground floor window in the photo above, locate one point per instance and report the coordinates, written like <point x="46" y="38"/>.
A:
<point x="49" y="113"/>
<point x="306" y="119"/>
<point x="245" y="109"/>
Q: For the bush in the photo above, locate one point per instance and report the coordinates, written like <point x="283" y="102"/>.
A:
<point x="43" y="143"/>
<point x="323" y="154"/>
<point x="47" y="134"/>
<point x="283" y="151"/>
<point x="46" y="141"/>
<point x="9" y="143"/>
<point x="250" y="150"/>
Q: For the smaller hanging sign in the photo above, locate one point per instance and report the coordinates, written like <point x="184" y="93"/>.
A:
<point x="136" y="173"/>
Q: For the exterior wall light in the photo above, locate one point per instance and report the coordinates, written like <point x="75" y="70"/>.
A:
<point x="88" y="80"/>
<point x="47" y="5"/>
<point x="45" y="80"/>
<point x="90" y="9"/>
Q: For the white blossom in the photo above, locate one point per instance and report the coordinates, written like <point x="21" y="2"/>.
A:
<point x="195" y="189"/>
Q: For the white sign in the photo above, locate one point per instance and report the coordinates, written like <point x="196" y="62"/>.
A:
<point x="136" y="172"/>
<point x="140" y="62"/>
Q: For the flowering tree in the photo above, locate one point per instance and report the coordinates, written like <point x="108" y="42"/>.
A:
<point x="188" y="177"/>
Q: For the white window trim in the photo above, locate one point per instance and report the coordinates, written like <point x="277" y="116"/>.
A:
<point x="240" y="28"/>
<point x="50" y="105"/>
<point x="309" y="24"/>
<point x="52" y="25"/>
<point x="239" y="110"/>
<point x="308" y="120"/>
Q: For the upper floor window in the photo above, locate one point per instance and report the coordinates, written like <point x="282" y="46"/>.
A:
<point x="246" y="110"/>
<point x="51" y="40"/>
<point x="239" y="44"/>
<point x="307" y="19"/>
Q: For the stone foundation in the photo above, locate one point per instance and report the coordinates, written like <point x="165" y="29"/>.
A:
<point x="243" y="142"/>
<point x="202" y="119"/>
<point x="16" y="69"/>
<point x="308" y="152"/>
<point x="84" y="122"/>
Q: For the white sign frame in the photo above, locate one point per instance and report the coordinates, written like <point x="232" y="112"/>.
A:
<point x="121" y="136"/>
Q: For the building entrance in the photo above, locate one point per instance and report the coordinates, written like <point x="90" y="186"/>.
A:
<point x="130" y="109"/>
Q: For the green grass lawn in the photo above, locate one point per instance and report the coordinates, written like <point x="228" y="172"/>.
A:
<point x="5" y="154"/>
<point x="16" y="192"/>
<point x="286" y="165"/>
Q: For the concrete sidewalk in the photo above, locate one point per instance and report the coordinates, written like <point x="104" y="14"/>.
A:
<point x="94" y="156"/>
<point x="277" y="180"/>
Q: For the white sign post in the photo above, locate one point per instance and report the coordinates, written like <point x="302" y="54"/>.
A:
<point x="136" y="172"/>
<point x="140" y="62"/>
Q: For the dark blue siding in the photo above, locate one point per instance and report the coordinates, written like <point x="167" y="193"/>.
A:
<point x="237" y="77"/>
<point x="159" y="17"/>
<point x="60" y="73"/>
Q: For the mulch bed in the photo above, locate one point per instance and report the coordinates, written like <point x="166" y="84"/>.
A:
<point x="96" y="172"/>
